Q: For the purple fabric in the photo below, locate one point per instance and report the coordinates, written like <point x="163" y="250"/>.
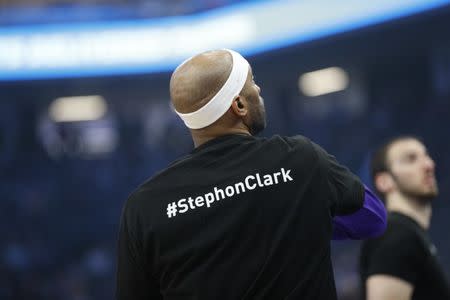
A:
<point x="368" y="222"/>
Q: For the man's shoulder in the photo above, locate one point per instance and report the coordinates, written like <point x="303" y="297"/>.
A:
<point x="295" y="142"/>
<point x="402" y="229"/>
<point x="157" y="183"/>
<point x="150" y="196"/>
<point x="398" y="235"/>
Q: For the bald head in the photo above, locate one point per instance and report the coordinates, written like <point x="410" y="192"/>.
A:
<point x="196" y="81"/>
<point x="214" y="94"/>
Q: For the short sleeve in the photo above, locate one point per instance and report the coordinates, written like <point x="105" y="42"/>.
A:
<point x="133" y="281"/>
<point x="398" y="256"/>
<point x="346" y="189"/>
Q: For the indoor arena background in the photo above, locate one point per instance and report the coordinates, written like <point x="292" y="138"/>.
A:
<point x="67" y="169"/>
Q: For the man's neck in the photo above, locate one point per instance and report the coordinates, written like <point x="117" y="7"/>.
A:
<point x="413" y="208"/>
<point x="202" y="136"/>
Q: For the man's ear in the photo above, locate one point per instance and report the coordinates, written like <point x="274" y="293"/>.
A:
<point x="384" y="182"/>
<point x="239" y="106"/>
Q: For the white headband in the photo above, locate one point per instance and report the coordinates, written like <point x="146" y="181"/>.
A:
<point x="221" y="102"/>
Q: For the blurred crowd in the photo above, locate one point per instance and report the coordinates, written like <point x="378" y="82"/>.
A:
<point x="59" y="216"/>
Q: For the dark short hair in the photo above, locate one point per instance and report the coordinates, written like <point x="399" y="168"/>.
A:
<point x="379" y="161"/>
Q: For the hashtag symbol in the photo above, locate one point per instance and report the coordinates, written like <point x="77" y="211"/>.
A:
<point x="172" y="209"/>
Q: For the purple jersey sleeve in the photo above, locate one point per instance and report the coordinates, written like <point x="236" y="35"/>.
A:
<point x="367" y="222"/>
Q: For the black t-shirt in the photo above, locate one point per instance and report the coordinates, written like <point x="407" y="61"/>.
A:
<point x="240" y="217"/>
<point x="405" y="251"/>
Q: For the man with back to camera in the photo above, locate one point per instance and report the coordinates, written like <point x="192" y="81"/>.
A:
<point x="402" y="263"/>
<point x="240" y="217"/>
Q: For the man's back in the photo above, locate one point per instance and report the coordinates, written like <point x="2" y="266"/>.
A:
<point x="239" y="218"/>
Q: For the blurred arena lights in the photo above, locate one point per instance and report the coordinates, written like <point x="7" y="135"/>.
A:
<point x="158" y="45"/>
<point x="324" y="81"/>
<point x="80" y="108"/>
<point x="54" y="51"/>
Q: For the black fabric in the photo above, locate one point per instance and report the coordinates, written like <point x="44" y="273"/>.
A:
<point x="269" y="240"/>
<point x="406" y="252"/>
